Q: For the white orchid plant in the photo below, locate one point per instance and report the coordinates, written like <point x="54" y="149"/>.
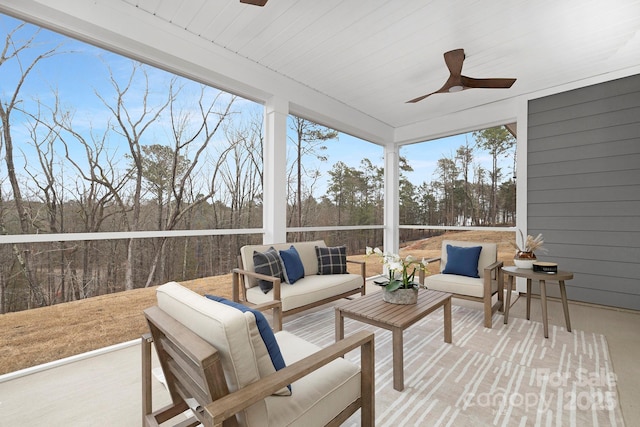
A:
<point x="401" y="271"/>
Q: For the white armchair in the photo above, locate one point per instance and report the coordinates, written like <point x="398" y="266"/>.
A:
<point x="216" y="364"/>
<point x="457" y="268"/>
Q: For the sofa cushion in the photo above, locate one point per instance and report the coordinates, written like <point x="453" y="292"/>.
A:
<point x="319" y="395"/>
<point x="293" y="267"/>
<point x="275" y="362"/>
<point x="306" y="250"/>
<point x="309" y="289"/>
<point x="332" y="260"/>
<point x="232" y="332"/>
<point x="269" y="264"/>
<point x="462" y="260"/>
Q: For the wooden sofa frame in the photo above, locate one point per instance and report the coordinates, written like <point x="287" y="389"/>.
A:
<point x="193" y="370"/>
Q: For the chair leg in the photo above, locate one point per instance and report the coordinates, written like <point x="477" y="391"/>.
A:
<point x="146" y="376"/>
<point x="500" y="279"/>
<point x="488" y="312"/>
<point x="488" y="308"/>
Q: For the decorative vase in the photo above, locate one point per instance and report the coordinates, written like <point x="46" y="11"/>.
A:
<point x="524" y="259"/>
<point x="401" y="296"/>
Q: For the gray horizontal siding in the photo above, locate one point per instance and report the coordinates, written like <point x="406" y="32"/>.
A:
<point x="604" y="193"/>
<point x="608" y="210"/>
<point x="584" y="224"/>
<point x="586" y="180"/>
<point x="607" y="163"/>
<point x="621" y="147"/>
<point x="583" y="188"/>
<point x="586" y="138"/>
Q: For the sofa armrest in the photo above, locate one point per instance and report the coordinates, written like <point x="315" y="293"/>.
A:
<point x="229" y="405"/>
<point x="276" y="312"/>
<point x="421" y="275"/>
<point x="275" y="280"/>
<point x="275" y="304"/>
<point x="363" y="272"/>
<point x="494" y="272"/>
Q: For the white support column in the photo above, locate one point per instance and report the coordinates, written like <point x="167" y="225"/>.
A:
<point x="521" y="178"/>
<point x="274" y="215"/>
<point x="391" y="198"/>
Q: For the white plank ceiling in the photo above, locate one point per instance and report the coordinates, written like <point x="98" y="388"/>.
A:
<point x="372" y="56"/>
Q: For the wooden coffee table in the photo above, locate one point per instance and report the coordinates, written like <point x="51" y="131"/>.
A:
<point x="373" y="310"/>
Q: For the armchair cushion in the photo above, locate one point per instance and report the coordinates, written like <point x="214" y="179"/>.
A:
<point x="233" y="333"/>
<point x="462" y="261"/>
<point x="321" y="392"/>
<point x="268" y="337"/>
<point x="461" y="285"/>
<point x="269" y="264"/>
<point x="293" y="267"/>
<point x="332" y="260"/>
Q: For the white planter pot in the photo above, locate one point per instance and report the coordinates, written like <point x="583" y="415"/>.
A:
<point x="524" y="263"/>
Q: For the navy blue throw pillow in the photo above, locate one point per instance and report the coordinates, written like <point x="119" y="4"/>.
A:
<point x="293" y="268"/>
<point x="263" y="327"/>
<point x="463" y="261"/>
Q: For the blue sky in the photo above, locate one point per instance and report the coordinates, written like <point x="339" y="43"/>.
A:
<point x="423" y="157"/>
<point x="81" y="69"/>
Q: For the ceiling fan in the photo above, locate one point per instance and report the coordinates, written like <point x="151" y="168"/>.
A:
<point x="457" y="82"/>
<point x="255" y="2"/>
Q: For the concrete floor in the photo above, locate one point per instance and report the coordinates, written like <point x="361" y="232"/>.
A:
<point x="105" y="390"/>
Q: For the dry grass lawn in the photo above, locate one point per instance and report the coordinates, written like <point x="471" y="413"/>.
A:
<point x="45" y="334"/>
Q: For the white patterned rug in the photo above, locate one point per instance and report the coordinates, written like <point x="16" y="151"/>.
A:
<point x="506" y="376"/>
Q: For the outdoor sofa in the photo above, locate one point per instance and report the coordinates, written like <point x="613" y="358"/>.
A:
<point x="312" y="274"/>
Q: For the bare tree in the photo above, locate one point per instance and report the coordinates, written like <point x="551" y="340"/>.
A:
<point x="309" y="141"/>
<point x="481" y="214"/>
<point x="97" y="185"/>
<point x="188" y="133"/>
<point x="46" y="176"/>
<point x="448" y="172"/>
<point x="134" y="114"/>
<point x="13" y="51"/>
<point x="464" y="155"/>
<point x="497" y="141"/>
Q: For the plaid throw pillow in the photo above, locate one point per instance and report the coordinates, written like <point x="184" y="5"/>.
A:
<point x="332" y="260"/>
<point x="267" y="263"/>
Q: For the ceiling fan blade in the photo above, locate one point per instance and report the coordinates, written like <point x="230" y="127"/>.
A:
<point x="457" y="82"/>
<point x="255" y="2"/>
<point x="471" y="83"/>
<point x="420" y="98"/>
<point x="454" y="60"/>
